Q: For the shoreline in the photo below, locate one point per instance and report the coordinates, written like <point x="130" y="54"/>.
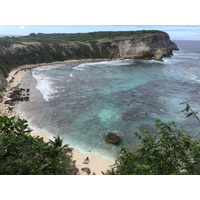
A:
<point x="97" y="163"/>
<point x="15" y="76"/>
<point x="32" y="66"/>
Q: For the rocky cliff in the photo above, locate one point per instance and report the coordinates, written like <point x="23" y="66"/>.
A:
<point x="146" y="47"/>
<point x="34" y="49"/>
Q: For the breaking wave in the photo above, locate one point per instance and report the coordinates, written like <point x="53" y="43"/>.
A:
<point x="82" y="66"/>
<point x="43" y="84"/>
<point x="194" y="78"/>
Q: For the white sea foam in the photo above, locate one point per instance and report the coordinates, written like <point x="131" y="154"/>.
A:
<point x="71" y="75"/>
<point x="83" y="66"/>
<point x="43" y="84"/>
<point x="194" y="78"/>
<point x="44" y="68"/>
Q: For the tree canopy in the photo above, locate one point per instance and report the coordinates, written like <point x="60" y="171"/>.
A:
<point x="75" y="37"/>
<point x="22" y="154"/>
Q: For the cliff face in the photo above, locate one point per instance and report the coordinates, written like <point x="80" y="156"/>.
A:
<point x="144" y="47"/>
<point x="151" y="45"/>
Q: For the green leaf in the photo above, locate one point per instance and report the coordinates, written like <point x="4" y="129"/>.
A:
<point x="43" y="167"/>
<point x="189" y="114"/>
<point x="185" y="102"/>
<point x="187" y="107"/>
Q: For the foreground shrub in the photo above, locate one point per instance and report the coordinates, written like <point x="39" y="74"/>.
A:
<point x="169" y="151"/>
<point x="20" y="153"/>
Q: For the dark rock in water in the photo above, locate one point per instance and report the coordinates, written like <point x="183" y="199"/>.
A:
<point x="26" y="98"/>
<point x="87" y="170"/>
<point x="17" y="91"/>
<point x="10" y="102"/>
<point x="148" y="128"/>
<point x="16" y="99"/>
<point x="132" y="115"/>
<point x="12" y="95"/>
<point x="86" y="161"/>
<point x="113" y="138"/>
<point x="16" y="95"/>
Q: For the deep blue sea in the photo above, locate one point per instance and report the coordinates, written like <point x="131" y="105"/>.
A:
<point x="83" y="102"/>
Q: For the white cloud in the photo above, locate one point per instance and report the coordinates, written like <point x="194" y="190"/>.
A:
<point x="21" y="27"/>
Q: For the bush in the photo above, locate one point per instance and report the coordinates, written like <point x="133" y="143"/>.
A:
<point x="20" y="153"/>
<point x="169" y="151"/>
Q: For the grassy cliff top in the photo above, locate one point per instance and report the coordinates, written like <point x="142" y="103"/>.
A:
<point x="76" y="37"/>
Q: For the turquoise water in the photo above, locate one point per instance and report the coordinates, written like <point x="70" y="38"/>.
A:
<point x="83" y="102"/>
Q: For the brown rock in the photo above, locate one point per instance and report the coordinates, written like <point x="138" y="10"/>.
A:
<point x="158" y="55"/>
<point x="10" y="102"/>
<point x="113" y="138"/>
<point x="87" y="170"/>
<point x="86" y="161"/>
<point x="26" y="98"/>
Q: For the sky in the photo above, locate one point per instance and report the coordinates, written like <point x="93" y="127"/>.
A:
<point x="182" y="32"/>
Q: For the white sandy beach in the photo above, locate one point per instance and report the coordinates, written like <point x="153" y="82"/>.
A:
<point x="97" y="163"/>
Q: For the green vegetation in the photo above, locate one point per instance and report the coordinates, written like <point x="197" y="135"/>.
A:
<point x="20" y="153"/>
<point x="79" y="37"/>
<point x="169" y="152"/>
<point x="39" y="48"/>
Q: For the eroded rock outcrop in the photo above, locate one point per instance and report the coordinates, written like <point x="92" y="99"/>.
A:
<point x="158" y="55"/>
<point x="156" y="45"/>
<point x="87" y="170"/>
<point x="17" y="95"/>
<point x="113" y="138"/>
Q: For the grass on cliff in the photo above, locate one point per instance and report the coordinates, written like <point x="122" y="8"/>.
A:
<point x="69" y="37"/>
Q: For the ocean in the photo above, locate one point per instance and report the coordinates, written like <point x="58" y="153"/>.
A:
<point x="82" y="102"/>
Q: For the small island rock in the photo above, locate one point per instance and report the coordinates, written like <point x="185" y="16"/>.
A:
<point x="113" y="138"/>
